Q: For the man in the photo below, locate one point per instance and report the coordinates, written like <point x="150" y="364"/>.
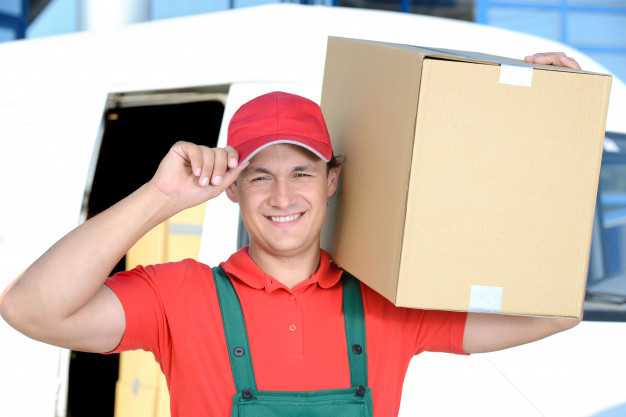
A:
<point x="279" y="167"/>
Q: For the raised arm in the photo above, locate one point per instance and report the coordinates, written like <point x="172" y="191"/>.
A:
<point x="61" y="298"/>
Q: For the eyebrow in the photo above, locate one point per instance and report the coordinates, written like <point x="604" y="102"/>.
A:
<point x="256" y="170"/>
<point x="261" y="170"/>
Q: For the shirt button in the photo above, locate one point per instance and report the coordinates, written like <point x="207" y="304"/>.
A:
<point x="292" y="328"/>
<point x="292" y="297"/>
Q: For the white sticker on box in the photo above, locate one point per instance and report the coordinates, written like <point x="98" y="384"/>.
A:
<point x="516" y="75"/>
<point x="485" y="299"/>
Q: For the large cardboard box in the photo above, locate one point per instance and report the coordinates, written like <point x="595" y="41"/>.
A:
<point x="469" y="181"/>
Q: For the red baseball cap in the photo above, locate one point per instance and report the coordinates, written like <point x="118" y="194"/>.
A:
<point x="279" y="117"/>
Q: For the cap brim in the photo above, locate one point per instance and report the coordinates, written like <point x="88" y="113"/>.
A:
<point x="248" y="150"/>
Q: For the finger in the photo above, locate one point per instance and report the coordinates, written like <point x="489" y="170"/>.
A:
<point x="219" y="166"/>
<point x="547" y="58"/>
<point x="190" y="154"/>
<point x="530" y="59"/>
<point x="207" y="156"/>
<point x="233" y="156"/>
<point x="553" y="58"/>
<point x="544" y="54"/>
<point x="232" y="174"/>
<point x="569" y="62"/>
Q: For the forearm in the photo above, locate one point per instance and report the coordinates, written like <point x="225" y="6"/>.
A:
<point x="491" y="332"/>
<point x="71" y="272"/>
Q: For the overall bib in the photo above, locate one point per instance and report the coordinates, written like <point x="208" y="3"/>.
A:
<point x="249" y="401"/>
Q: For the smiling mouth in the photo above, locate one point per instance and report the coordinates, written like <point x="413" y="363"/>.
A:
<point x="285" y="219"/>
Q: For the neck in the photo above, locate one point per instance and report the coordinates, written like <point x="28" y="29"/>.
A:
<point x="289" y="270"/>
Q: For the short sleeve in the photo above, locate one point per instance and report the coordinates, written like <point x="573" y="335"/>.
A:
<point x="439" y="331"/>
<point x="147" y="294"/>
<point x="408" y="331"/>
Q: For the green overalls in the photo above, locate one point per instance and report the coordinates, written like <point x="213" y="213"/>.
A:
<point x="248" y="401"/>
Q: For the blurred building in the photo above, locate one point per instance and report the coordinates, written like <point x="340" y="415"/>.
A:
<point x="593" y="26"/>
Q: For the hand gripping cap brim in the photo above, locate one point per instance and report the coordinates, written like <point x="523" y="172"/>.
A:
<point x="279" y="117"/>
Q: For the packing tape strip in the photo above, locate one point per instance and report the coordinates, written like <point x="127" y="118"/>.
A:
<point x="516" y="75"/>
<point x="521" y="75"/>
<point x="485" y="299"/>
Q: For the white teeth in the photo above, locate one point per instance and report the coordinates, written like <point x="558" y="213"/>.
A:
<point x="285" y="219"/>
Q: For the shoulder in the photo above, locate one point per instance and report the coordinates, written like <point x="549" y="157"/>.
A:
<point x="376" y="304"/>
<point x="415" y="329"/>
<point x="170" y="270"/>
<point x="384" y="310"/>
<point x="166" y="278"/>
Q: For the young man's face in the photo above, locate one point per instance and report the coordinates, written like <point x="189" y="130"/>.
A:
<point x="282" y="196"/>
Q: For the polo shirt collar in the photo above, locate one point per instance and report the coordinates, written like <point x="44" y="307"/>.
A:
<point x="240" y="266"/>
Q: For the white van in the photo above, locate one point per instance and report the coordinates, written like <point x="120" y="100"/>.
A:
<point x="85" y="118"/>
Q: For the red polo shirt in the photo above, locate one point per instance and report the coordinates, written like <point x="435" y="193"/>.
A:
<point x="297" y="337"/>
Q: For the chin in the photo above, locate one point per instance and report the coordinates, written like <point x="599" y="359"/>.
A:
<point x="285" y="249"/>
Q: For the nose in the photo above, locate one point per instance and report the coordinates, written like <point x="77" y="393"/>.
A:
<point x="282" y="195"/>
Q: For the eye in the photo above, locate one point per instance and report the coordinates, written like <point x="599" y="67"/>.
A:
<point x="259" y="179"/>
<point x="302" y="175"/>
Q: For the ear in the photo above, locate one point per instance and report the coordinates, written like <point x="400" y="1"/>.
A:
<point x="231" y="192"/>
<point x="333" y="180"/>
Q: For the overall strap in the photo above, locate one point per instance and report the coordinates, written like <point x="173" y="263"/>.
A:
<point x="235" y="330"/>
<point x="237" y="336"/>
<point x="354" y="321"/>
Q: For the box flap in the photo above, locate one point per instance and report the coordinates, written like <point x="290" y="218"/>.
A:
<point x="478" y="57"/>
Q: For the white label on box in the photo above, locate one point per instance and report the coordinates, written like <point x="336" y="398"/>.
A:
<point x="485" y="299"/>
<point x="516" y="75"/>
